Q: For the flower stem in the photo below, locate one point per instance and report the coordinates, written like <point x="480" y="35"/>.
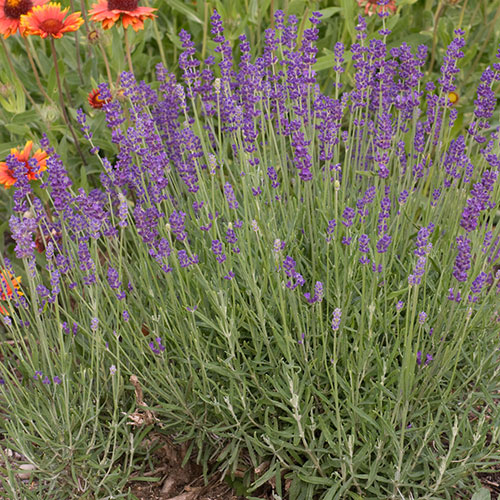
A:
<point x="13" y="71"/>
<point x="127" y="50"/>
<point x="61" y="100"/>
<point x="77" y="48"/>
<point x="86" y="22"/>
<point x="106" y="64"/>
<point x="462" y="14"/>
<point x="484" y="46"/>
<point x="439" y="12"/>
<point x="35" y="71"/>
<point x="158" y="40"/>
<point x="205" y="32"/>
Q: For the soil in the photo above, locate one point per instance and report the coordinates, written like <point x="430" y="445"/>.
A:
<point x="491" y="481"/>
<point x="177" y="482"/>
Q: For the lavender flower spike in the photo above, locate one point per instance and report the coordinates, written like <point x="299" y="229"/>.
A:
<point x="336" y="317"/>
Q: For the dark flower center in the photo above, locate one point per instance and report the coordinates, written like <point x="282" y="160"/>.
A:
<point x="51" y="26"/>
<point x="129" y="5"/>
<point x="16" y="8"/>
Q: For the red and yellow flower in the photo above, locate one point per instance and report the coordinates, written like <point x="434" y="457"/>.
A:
<point x="94" y="99"/>
<point x="50" y="20"/>
<point x="109" y="12"/>
<point x="373" y="6"/>
<point x="6" y="280"/>
<point x="11" y="12"/>
<point x="7" y="177"/>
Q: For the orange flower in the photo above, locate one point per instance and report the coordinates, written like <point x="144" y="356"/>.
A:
<point x="6" y="280"/>
<point x="94" y="99"/>
<point x="373" y="7"/>
<point x="7" y="176"/>
<point x="108" y="12"/>
<point x="48" y="20"/>
<point x="11" y="12"/>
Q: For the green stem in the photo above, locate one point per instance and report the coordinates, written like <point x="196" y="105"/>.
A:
<point x="485" y="44"/>
<point x="13" y="71"/>
<point x="86" y="23"/>
<point x="61" y="100"/>
<point x="462" y="13"/>
<point x="77" y="48"/>
<point x="439" y="12"/>
<point x="106" y="64"/>
<point x="127" y="50"/>
<point x="205" y="31"/>
<point x="159" y="41"/>
<point x="35" y="71"/>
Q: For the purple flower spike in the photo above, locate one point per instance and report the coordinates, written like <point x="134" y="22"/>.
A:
<point x="416" y="278"/>
<point x="463" y="259"/>
<point x="336" y="317"/>
<point x="348" y="216"/>
<point x="338" y="51"/>
<point x="449" y="68"/>
<point x="318" y="293"/>
<point x="289" y="268"/>
<point x="330" y="229"/>
<point x="383" y="243"/>
<point x="158" y="347"/>
<point x="113" y="280"/>
<point x="177" y="226"/>
<point x="364" y="248"/>
<point x="217" y="250"/>
<point x="185" y="260"/>
<point x="422" y="316"/>
<point x="231" y="199"/>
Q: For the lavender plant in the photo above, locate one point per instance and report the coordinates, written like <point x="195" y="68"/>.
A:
<point x="298" y="279"/>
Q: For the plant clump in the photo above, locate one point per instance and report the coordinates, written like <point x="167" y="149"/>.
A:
<point x="300" y="278"/>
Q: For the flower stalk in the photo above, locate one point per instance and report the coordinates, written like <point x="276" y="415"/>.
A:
<point x="61" y="101"/>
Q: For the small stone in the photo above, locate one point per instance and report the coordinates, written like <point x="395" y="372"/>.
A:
<point x="27" y="468"/>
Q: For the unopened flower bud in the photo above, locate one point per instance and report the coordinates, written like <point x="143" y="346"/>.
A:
<point x="93" y="36"/>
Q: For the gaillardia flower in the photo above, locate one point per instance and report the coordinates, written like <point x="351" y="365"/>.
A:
<point x="11" y="12"/>
<point x="94" y="99"/>
<point x="7" y="177"/>
<point x="49" y="20"/>
<point x="109" y="12"/>
<point x="374" y="6"/>
<point x="6" y="279"/>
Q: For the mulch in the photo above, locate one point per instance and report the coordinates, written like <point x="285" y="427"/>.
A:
<point x="173" y="481"/>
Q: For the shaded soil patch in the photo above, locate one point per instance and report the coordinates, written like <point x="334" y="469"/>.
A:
<point x="491" y="480"/>
<point x="173" y="481"/>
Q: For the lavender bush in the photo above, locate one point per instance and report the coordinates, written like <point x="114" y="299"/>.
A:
<point x="305" y="284"/>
